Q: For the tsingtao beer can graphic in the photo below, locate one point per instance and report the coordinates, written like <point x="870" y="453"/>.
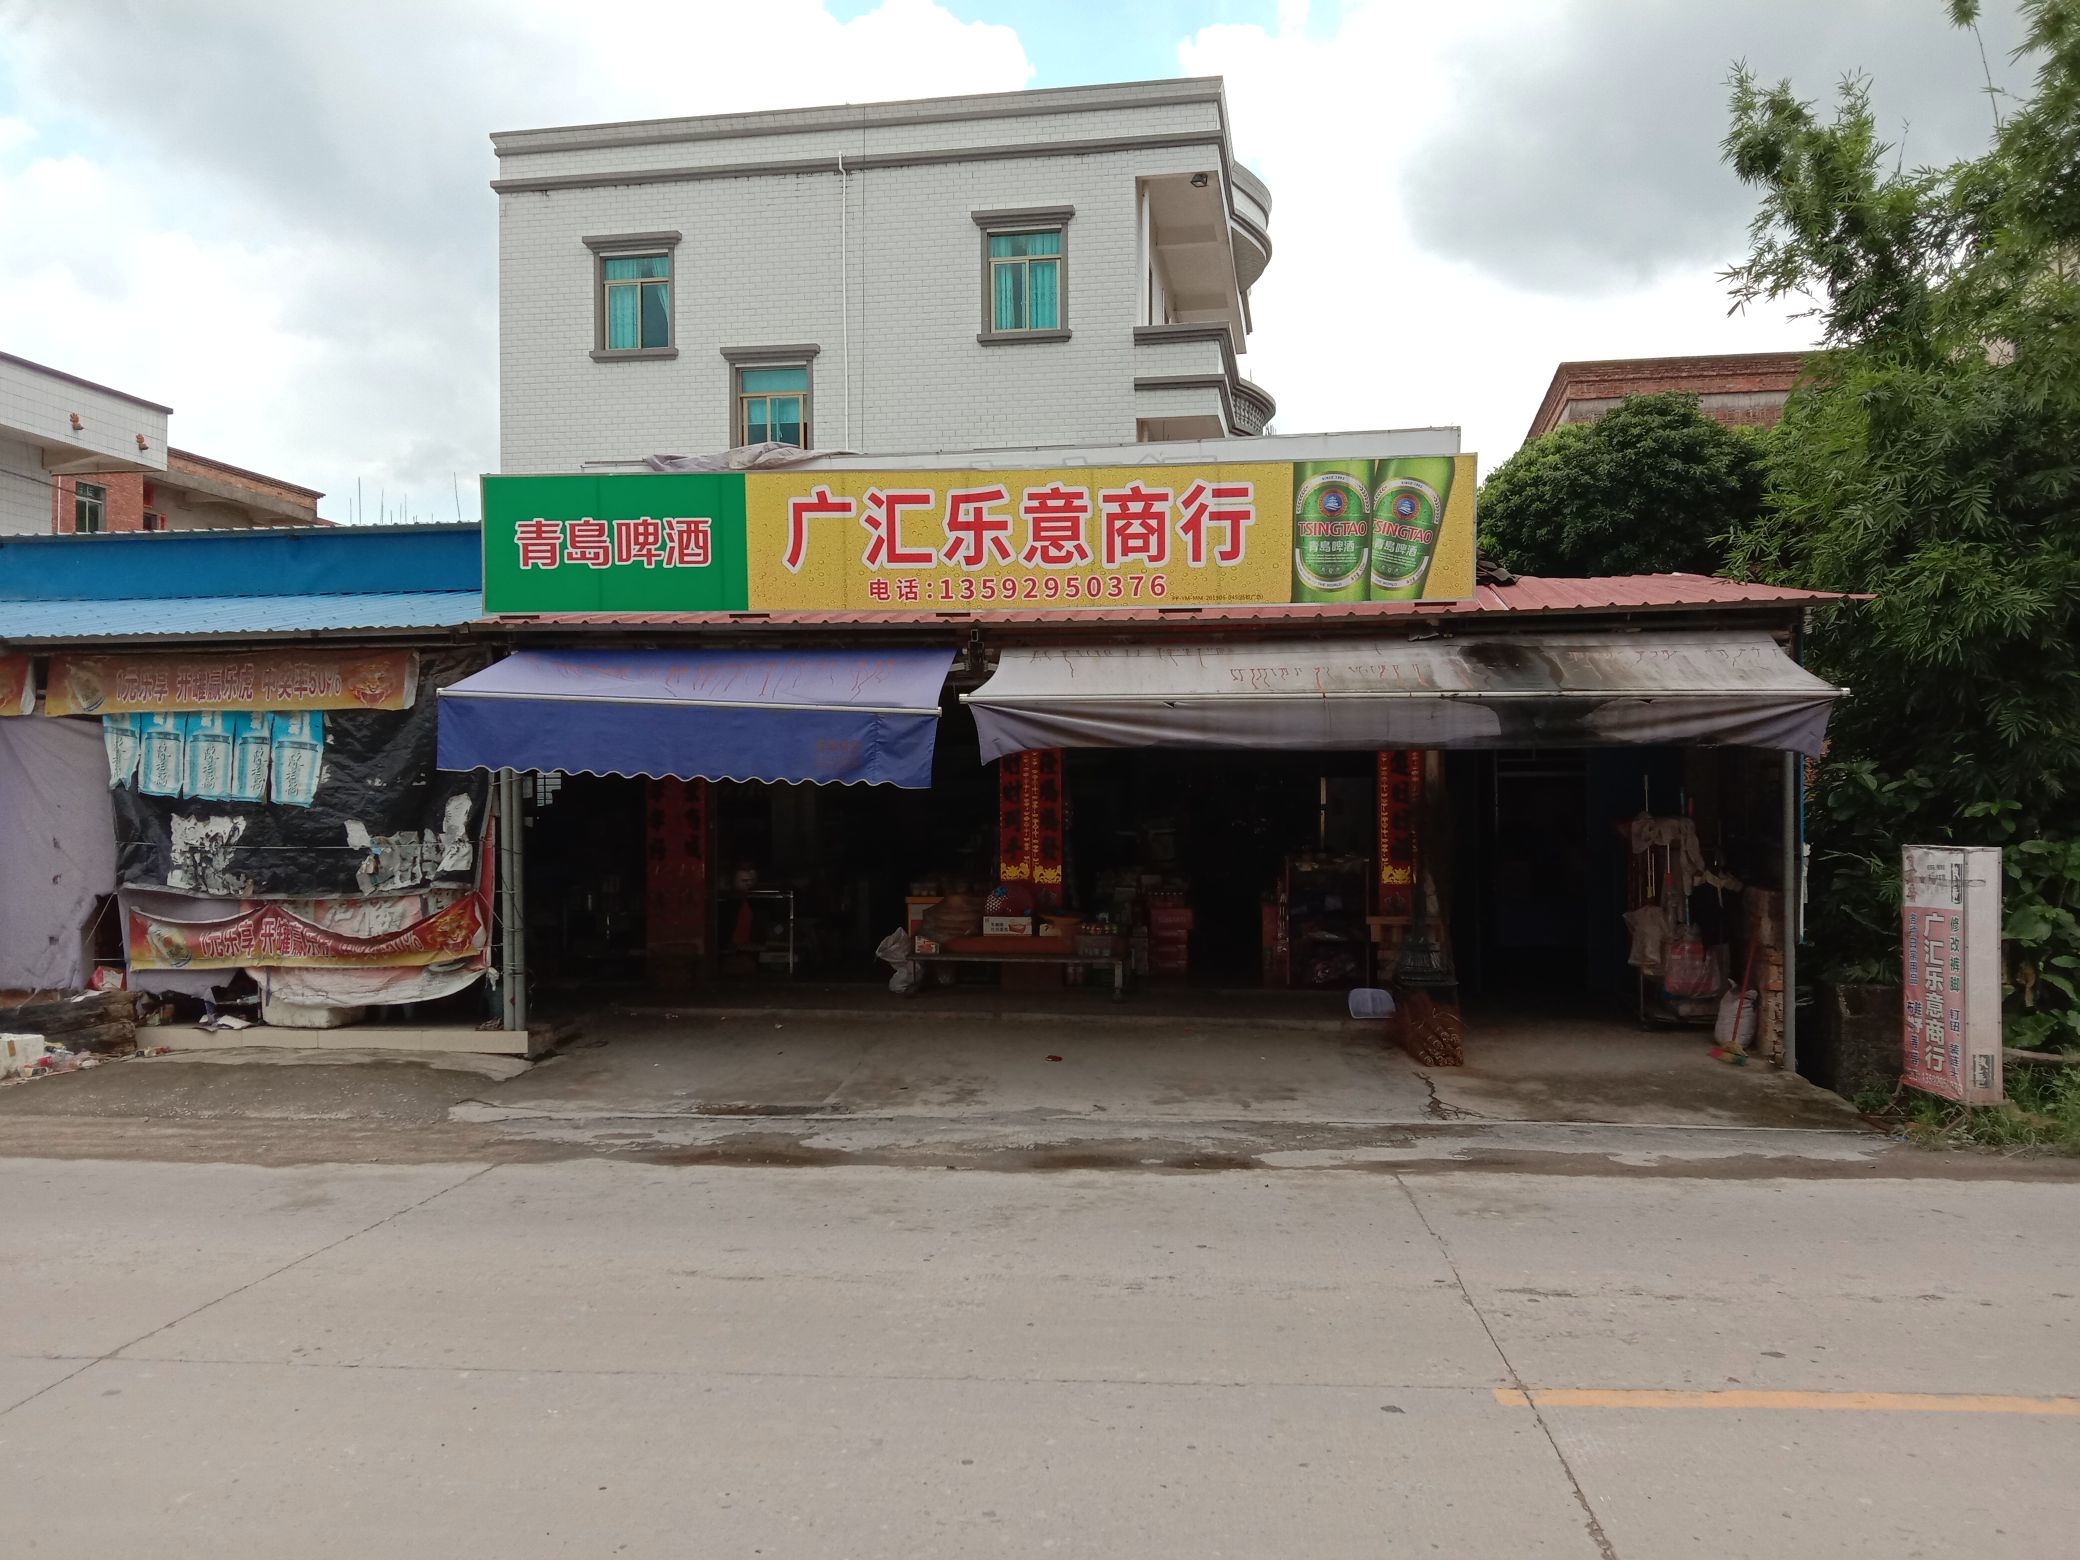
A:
<point x="1331" y="525"/>
<point x="1408" y="502"/>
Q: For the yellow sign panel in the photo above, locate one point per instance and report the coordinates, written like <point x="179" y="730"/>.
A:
<point x="1038" y="540"/>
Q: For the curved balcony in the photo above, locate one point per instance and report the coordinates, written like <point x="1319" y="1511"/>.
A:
<point x="1185" y="379"/>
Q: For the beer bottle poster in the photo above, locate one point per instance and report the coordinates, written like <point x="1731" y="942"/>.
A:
<point x="1043" y="541"/>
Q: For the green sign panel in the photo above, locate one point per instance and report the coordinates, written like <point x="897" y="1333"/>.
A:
<point x="654" y="542"/>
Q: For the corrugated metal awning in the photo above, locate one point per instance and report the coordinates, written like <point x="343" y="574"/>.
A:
<point x="1730" y="688"/>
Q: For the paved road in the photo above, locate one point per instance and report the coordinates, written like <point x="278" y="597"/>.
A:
<point x="594" y="1358"/>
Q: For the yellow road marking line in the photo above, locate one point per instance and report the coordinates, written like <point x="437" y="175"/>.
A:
<point x="1741" y="1397"/>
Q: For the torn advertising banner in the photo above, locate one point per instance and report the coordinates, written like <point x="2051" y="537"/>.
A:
<point x="17" y="685"/>
<point x="251" y="680"/>
<point x="271" y="934"/>
<point x="353" y="806"/>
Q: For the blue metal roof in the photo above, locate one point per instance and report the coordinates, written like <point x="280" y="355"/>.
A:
<point x="191" y="617"/>
<point x="199" y="565"/>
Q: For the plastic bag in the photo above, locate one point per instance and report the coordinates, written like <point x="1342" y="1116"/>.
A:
<point x="894" y="949"/>
<point x="1723" y="1030"/>
<point x="1688" y="969"/>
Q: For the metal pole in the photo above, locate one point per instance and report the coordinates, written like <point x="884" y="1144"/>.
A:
<point x="1793" y="881"/>
<point x="512" y="903"/>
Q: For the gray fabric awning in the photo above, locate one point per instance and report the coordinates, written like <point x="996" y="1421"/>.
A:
<point x="1727" y="688"/>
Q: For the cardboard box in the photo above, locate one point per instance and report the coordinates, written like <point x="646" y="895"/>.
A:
<point x="1007" y="926"/>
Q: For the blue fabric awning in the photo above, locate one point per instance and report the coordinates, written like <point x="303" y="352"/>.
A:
<point x="827" y="716"/>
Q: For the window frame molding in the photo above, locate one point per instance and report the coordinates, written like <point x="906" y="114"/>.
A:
<point x="629" y="246"/>
<point x="799" y="354"/>
<point x="1024" y="219"/>
<point x="99" y="500"/>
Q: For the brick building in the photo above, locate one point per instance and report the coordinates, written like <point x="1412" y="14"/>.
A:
<point x="193" y="493"/>
<point x="53" y="423"/>
<point x="1050" y="267"/>
<point x="1740" y="389"/>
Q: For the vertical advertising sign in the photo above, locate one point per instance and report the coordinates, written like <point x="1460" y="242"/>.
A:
<point x="1951" y="966"/>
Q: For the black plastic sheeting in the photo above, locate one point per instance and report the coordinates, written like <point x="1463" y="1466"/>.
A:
<point x="383" y="820"/>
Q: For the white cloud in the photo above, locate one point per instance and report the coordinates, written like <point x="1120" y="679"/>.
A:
<point x="276" y="218"/>
<point x="1391" y="304"/>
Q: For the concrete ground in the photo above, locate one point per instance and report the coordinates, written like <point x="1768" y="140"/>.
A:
<point x="593" y="1357"/>
<point x="938" y="1084"/>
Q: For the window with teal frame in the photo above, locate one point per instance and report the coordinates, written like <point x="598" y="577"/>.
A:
<point x="1025" y="280"/>
<point x="773" y="404"/>
<point x="638" y="301"/>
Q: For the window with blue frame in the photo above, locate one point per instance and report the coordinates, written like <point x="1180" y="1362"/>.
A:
<point x="638" y="303"/>
<point x="773" y="404"/>
<point x="1025" y="280"/>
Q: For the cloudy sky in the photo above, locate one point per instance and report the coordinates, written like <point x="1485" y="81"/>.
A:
<point x="275" y="218"/>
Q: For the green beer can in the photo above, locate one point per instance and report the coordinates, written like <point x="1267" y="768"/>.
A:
<point x="1331" y="525"/>
<point x="1408" y="499"/>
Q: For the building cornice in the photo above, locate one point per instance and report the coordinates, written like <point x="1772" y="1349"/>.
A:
<point x="860" y="116"/>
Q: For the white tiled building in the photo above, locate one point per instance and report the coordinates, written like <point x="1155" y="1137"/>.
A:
<point x="52" y="423"/>
<point x="1066" y="266"/>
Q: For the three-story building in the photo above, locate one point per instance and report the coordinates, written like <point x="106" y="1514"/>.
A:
<point x="1050" y="267"/>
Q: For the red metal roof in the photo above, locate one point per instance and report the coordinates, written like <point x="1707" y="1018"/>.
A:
<point x="1604" y="594"/>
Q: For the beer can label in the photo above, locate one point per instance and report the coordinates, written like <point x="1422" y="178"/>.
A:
<point x="1404" y="533"/>
<point x="1330" y="529"/>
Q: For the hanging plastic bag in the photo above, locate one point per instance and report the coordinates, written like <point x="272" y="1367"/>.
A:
<point x="1735" y="1025"/>
<point x="1688" y="971"/>
<point x="894" y="950"/>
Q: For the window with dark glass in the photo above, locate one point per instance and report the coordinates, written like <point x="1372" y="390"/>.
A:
<point x="89" y="507"/>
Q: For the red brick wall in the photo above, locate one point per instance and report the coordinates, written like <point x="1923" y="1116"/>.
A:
<point x="1757" y="373"/>
<point x="124" y="510"/>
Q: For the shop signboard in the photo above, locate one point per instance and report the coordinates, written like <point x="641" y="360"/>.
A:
<point x="1041" y="539"/>
<point x="17" y="685"/>
<point x="270" y="933"/>
<point x="274" y="680"/>
<point x="1951" y="953"/>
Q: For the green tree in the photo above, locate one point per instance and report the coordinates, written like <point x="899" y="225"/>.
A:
<point x="1932" y="459"/>
<point x="1652" y="487"/>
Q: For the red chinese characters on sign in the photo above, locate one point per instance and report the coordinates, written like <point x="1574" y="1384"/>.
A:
<point x="1032" y="818"/>
<point x="638" y="541"/>
<point x="586" y="544"/>
<point x="1136" y="525"/>
<point x="884" y="523"/>
<point x="689" y="542"/>
<point x="1223" y="509"/>
<point x="1400" y="798"/>
<point x="1053" y="528"/>
<point x="1056" y="520"/>
<point x="669" y="542"/>
<point x="270" y="933"/>
<point x="976" y="533"/>
<point x="800" y="511"/>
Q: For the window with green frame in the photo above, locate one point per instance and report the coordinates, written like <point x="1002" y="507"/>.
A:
<point x="773" y="404"/>
<point x="638" y="301"/>
<point x="1025" y="280"/>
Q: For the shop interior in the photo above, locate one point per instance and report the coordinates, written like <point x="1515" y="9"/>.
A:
<point x="1203" y="870"/>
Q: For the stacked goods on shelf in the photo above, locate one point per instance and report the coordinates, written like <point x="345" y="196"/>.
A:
<point x="1169" y="936"/>
<point x="1326" y="931"/>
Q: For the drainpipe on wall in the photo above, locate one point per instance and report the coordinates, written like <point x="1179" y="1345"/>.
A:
<point x="845" y="288"/>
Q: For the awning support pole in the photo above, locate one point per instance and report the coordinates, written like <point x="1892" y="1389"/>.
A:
<point x="1793" y="883"/>
<point x="512" y="904"/>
